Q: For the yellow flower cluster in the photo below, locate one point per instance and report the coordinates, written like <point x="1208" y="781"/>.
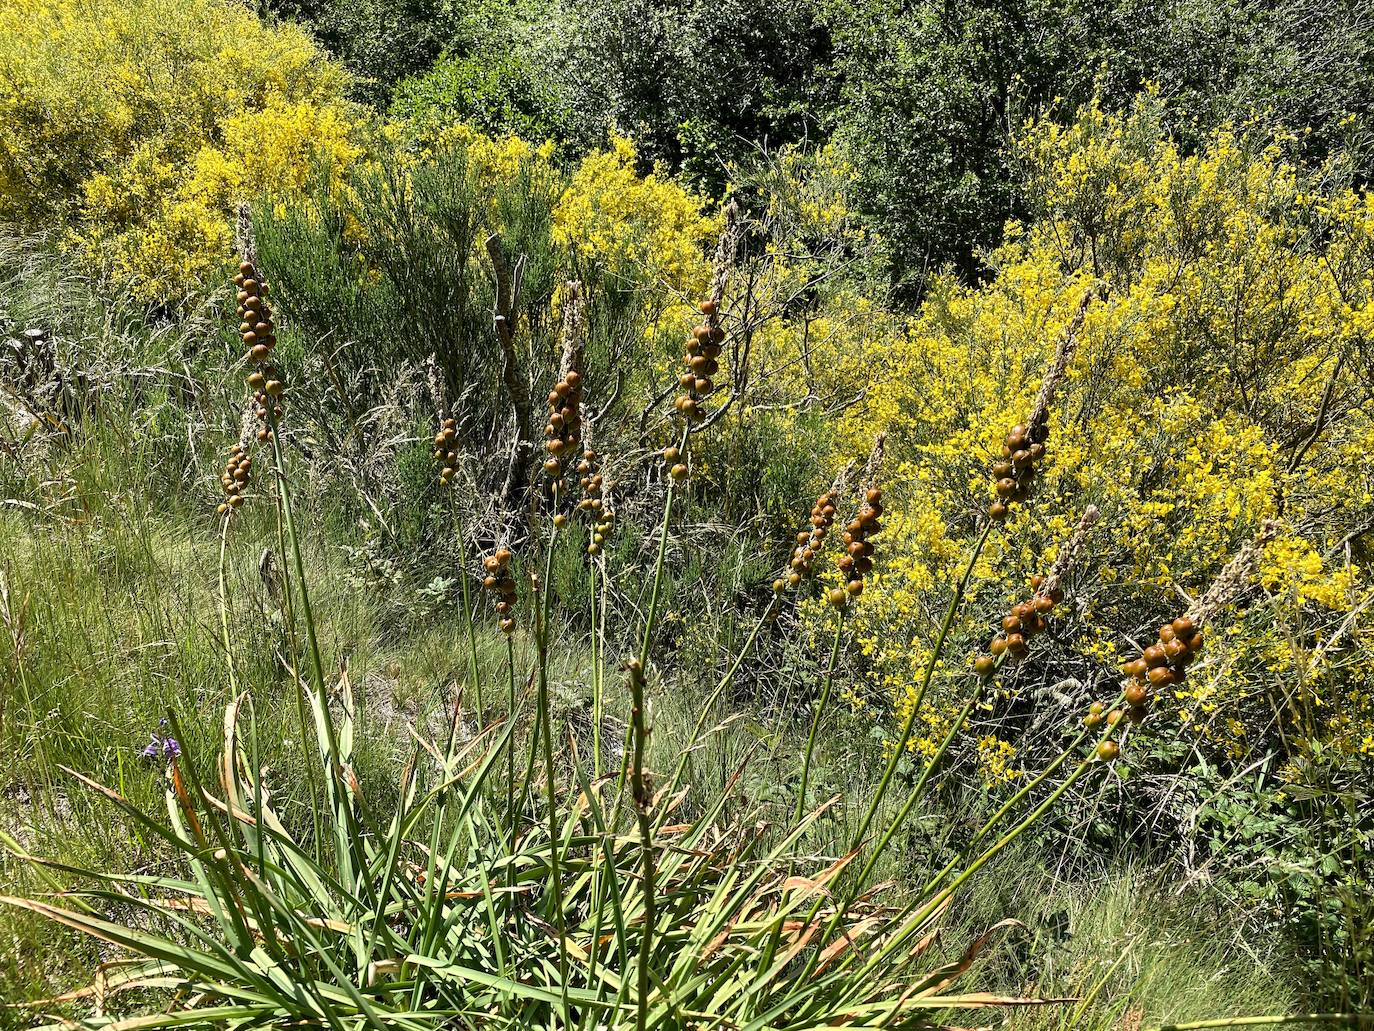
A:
<point x="1215" y="385"/>
<point x="625" y="221"/>
<point x="135" y="125"/>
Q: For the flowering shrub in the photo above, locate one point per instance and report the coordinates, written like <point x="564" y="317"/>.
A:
<point x="134" y="126"/>
<point x="1216" y="384"/>
<point x="614" y="215"/>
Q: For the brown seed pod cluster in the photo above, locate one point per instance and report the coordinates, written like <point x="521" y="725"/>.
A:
<point x="1163" y="664"/>
<point x="444" y="453"/>
<point x="702" y="360"/>
<point x="1015" y="471"/>
<point x="237" y="472"/>
<point x="809" y="543"/>
<point x="672" y="458"/>
<point x="1108" y="748"/>
<point x="564" y="428"/>
<point x="499" y="582"/>
<point x="1025" y="620"/>
<point x="259" y="335"/>
<point x="857" y="561"/>
<point x="593" y="500"/>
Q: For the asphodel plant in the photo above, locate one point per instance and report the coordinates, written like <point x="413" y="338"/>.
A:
<point x="510" y="883"/>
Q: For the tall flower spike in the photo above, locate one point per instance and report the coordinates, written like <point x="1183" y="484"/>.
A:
<point x="237" y="472"/>
<point x="809" y="541"/>
<point x="499" y="582"/>
<point x="563" y="431"/>
<point x="444" y="454"/>
<point x="702" y="361"/>
<point x="704" y="346"/>
<point x="1028" y="618"/>
<point x="857" y="561"/>
<point x="593" y="501"/>
<point x="259" y="336"/>
<point x="1024" y="448"/>
<point x="1165" y="663"/>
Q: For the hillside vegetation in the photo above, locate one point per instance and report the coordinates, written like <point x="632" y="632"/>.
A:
<point x="765" y="516"/>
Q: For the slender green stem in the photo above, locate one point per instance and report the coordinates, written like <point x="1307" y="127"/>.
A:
<point x="932" y="904"/>
<point x="469" y="618"/>
<point x="550" y="781"/>
<point x="288" y="611"/>
<point x="918" y="789"/>
<point x="654" y="593"/>
<point x="307" y="615"/>
<point x="641" y="791"/>
<point x="816" y="717"/>
<point x="643" y="799"/>
<point x="596" y="678"/>
<point x="909" y="725"/>
<point x="224" y="605"/>
<point x="344" y="823"/>
<point x="511" y="715"/>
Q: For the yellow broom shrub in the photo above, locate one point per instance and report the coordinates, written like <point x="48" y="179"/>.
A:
<point x="132" y="127"/>
<point x="1218" y="382"/>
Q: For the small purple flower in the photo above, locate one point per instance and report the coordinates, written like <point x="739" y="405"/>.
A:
<point x="167" y="748"/>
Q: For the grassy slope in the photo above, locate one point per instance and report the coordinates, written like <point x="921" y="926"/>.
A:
<point x="112" y="616"/>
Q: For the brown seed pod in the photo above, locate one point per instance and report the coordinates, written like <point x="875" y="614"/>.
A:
<point x="1161" y="676"/>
